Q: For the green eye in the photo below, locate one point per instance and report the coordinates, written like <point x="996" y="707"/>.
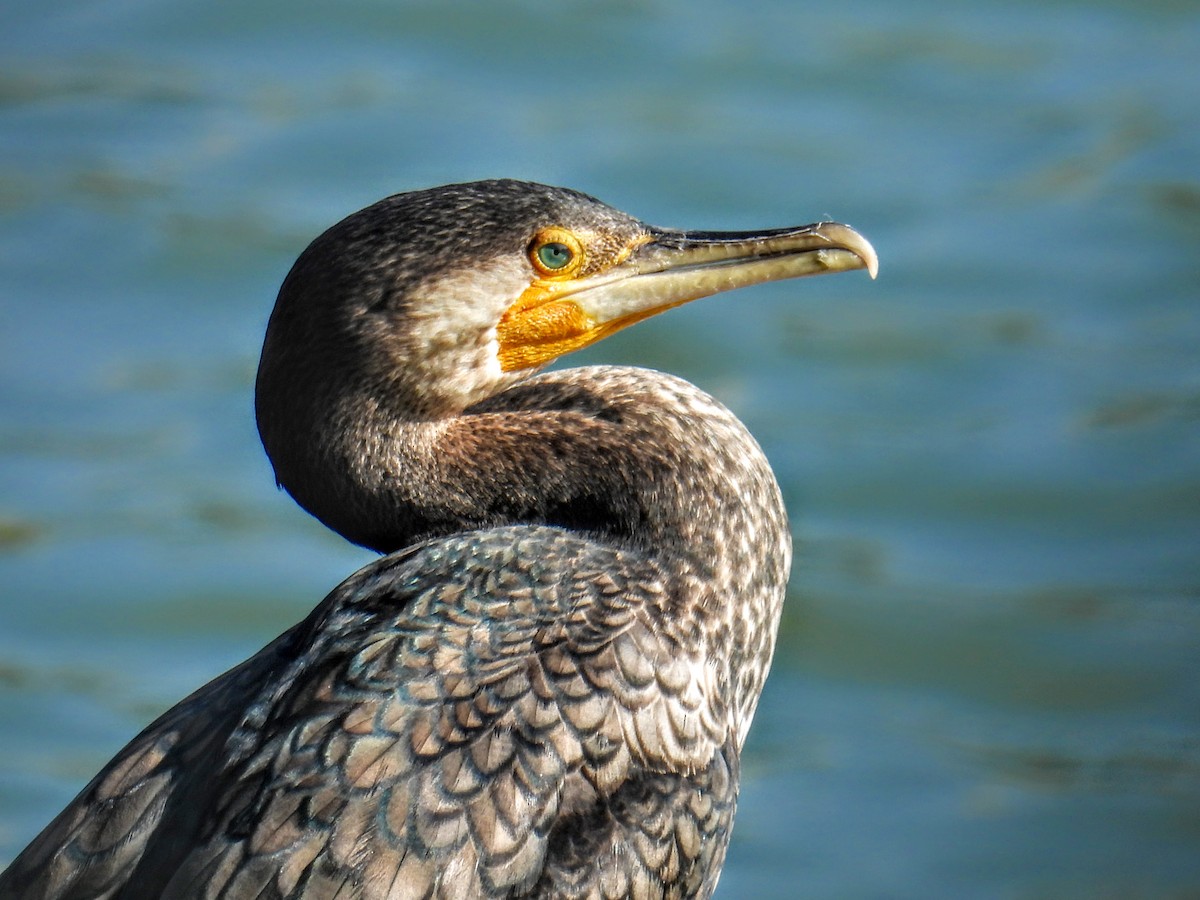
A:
<point x="555" y="255"/>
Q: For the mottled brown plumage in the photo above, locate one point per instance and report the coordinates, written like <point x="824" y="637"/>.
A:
<point x="543" y="689"/>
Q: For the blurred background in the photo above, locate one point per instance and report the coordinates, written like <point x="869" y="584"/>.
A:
<point x="988" y="680"/>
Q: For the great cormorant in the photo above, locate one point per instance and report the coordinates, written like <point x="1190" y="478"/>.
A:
<point x="542" y="689"/>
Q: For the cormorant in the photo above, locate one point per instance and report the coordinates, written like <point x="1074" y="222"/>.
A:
<point x="542" y="689"/>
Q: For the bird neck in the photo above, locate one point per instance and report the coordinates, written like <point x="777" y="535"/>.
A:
<point x="629" y="457"/>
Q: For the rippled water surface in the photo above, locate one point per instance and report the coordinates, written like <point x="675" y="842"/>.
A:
<point x="988" y="682"/>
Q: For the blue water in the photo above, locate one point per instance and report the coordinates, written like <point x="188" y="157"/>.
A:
<point x="988" y="684"/>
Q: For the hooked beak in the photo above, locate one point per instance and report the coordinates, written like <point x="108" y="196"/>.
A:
<point x="667" y="269"/>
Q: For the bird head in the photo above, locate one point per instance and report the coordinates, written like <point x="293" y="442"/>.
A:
<point x="435" y="299"/>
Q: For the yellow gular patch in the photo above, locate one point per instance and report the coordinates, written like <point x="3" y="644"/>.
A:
<point x="538" y="329"/>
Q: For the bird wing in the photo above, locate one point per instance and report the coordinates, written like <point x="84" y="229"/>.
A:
<point x="92" y="848"/>
<point x="486" y="715"/>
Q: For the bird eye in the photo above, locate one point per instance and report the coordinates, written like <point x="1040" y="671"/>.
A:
<point x="555" y="255"/>
<point x="556" y="252"/>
